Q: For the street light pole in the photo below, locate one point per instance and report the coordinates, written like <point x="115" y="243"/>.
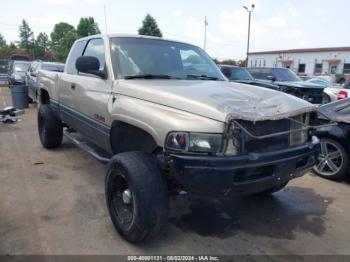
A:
<point x="249" y="18"/>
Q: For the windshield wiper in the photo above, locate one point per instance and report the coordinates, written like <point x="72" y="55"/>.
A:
<point x="202" y="77"/>
<point x="148" y="76"/>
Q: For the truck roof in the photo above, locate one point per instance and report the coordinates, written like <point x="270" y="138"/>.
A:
<point x="132" y="36"/>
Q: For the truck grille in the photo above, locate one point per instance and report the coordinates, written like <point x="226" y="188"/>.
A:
<point x="262" y="128"/>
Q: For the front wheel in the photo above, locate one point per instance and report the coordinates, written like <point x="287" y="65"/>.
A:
<point x="136" y="195"/>
<point x="333" y="160"/>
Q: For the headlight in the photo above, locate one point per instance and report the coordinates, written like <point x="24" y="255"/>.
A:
<point x="194" y="142"/>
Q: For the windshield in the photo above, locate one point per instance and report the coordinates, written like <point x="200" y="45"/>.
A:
<point x="21" y="67"/>
<point x="240" y="74"/>
<point x="283" y="74"/>
<point x="152" y="58"/>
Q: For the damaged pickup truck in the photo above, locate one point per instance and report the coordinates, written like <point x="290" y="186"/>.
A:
<point x="170" y="122"/>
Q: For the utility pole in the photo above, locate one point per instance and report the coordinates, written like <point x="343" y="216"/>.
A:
<point x="249" y="18"/>
<point x="205" y="32"/>
<point x="104" y="9"/>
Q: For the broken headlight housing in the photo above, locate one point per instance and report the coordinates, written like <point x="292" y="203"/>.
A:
<point x="194" y="142"/>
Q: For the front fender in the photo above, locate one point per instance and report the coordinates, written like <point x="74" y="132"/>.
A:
<point x="159" y="120"/>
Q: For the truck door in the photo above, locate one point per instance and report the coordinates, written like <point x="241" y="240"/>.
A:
<point x="89" y="95"/>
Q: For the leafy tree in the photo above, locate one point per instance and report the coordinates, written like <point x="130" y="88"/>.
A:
<point x="26" y="37"/>
<point x="2" y="42"/>
<point x="41" y="45"/>
<point x="62" y="39"/>
<point x="150" y="27"/>
<point x="87" y="26"/>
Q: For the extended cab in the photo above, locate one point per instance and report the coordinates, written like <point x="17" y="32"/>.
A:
<point x="170" y="122"/>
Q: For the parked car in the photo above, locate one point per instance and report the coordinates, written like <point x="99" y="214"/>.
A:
<point x="31" y="75"/>
<point x="331" y="90"/>
<point x="290" y="83"/>
<point x="242" y="75"/>
<point x="333" y="162"/>
<point x="17" y="72"/>
<point x="169" y="121"/>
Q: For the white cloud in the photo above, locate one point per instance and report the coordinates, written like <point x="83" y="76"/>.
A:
<point x="292" y="34"/>
<point x="177" y="12"/>
<point x="69" y="2"/>
<point x="276" y="22"/>
<point x="57" y="2"/>
<point x="292" y="11"/>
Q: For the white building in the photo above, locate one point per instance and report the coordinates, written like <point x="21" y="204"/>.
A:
<point x="312" y="61"/>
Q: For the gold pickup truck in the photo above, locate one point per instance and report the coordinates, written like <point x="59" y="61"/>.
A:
<point x="169" y="121"/>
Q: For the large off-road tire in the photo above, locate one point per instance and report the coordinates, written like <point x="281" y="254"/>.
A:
<point x="272" y="190"/>
<point x="136" y="195"/>
<point x="50" y="128"/>
<point x="333" y="161"/>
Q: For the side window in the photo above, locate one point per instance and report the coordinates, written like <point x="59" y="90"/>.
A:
<point x="95" y="48"/>
<point x="75" y="53"/>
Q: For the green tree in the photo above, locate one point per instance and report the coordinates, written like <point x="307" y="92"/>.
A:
<point x="87" y="26"/>
<point x="150" y="27"/>
<point x="62" y="39"/>
<point x="2" y="42"/>
<point x="41" y="45"/>
<point x="26" y="37"/>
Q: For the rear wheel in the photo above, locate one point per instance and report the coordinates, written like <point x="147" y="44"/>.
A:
<point x="50" y="128"/>
<point x="136" y="195"/>
<point x="333" y="160"/>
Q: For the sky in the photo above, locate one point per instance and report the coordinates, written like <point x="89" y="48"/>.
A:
<point x="276" y="24"/>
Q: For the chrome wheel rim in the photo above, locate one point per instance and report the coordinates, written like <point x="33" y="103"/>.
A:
<point x="330" y="160"/>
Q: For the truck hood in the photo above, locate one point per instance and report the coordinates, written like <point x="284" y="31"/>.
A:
<point x="300" y="84"/>
<point x="218" y="100"/>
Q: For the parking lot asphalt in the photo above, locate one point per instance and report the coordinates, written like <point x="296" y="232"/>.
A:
<point x="52" y="202"/>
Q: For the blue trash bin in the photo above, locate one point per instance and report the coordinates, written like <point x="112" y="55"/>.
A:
<point x="19" y="96"/>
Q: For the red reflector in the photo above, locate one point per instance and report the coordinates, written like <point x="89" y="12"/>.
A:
<point x="342" y="94"/>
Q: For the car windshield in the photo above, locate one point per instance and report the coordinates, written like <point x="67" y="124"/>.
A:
<point x="238" y="73"/>
<point x="158" y="59"/>
<point x="21" y="67"/>
<point x="283" y="74"/>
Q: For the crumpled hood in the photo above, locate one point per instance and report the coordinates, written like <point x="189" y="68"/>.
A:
<point x="300" y="84"/>
<point x="218" y="100"/>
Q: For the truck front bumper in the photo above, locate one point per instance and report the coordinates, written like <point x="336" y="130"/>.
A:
<point x="220" y="176"/>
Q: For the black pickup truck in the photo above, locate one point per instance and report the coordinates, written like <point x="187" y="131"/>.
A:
<point x="290" y="83"/>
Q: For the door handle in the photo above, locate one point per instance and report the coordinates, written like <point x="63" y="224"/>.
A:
<point x="72" y="86"/>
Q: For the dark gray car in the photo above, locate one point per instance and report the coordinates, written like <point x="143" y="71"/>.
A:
<point x="290" y="83"/>
<point x="242" y="75"/>
<point x="31" y="75"/>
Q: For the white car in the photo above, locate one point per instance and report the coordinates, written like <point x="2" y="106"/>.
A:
<point x="333" y="91"/>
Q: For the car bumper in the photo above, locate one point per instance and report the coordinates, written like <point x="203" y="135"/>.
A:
<point x="220" y="176"/>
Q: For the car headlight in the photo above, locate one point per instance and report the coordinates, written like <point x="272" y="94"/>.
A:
<point x="194" y="142"/>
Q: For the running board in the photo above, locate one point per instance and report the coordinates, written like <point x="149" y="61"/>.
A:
<point x="84" y="146"/>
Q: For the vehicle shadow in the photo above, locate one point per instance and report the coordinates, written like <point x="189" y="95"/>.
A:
<point x="278" y="216"/>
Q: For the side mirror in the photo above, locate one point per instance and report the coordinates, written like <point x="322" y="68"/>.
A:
<point x="272" y="78"/>
<point x="226" y="71"/>
<point x="90" y="65"/>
